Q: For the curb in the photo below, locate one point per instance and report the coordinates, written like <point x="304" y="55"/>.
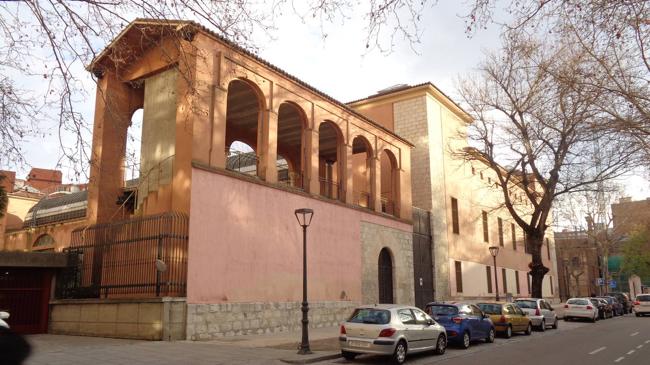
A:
<point x="312" y="360"/>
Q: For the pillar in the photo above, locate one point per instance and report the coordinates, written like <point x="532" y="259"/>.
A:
<point x="347" y="175"/>
<point x="312" y="183"/>
<point x="268" y="147"/>
<point x="375" y="182"/>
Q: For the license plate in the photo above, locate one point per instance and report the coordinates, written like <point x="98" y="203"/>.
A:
<point x="359" y="344"/>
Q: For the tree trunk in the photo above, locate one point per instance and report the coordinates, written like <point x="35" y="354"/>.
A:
<point x="537" y="268"/>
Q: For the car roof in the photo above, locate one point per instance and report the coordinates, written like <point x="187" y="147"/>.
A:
<point x="531" y="299"/>
<point x="385" y="306"/>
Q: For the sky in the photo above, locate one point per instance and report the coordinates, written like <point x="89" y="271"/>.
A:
<point x="341" y="66"/>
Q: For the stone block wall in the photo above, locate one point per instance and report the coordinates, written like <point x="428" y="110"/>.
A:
<point x="144" y="319"/>
<point x="374" y="237"/>
<point x="210" y="321"/>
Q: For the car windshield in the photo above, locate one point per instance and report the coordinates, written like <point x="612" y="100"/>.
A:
<point x="442" y="310"/>
<point x="594" y="301"/>
<point x="577" y="302"/>
<point x="529" y="304"/>
<point x="643" y="298"/>
<point x="370" y="316"/>
<point x="490" y="308"/>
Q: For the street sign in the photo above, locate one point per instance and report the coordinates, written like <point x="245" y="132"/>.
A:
<point x="600" y="281"/>
<point x="612" y="284"/>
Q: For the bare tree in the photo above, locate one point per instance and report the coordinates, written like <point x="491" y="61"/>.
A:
<point x="537" y="126"/>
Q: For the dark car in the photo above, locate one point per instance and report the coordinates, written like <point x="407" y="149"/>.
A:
<point x="604" y="309"/>
<point x="624" y="300"/>
<point x="617" y="308"/>
<point x="463" y="322"/>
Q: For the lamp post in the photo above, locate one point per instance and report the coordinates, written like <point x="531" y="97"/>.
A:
<point x="494" y="251"/>
<point x="567" y="279"/>
<point x="304" y="216"/>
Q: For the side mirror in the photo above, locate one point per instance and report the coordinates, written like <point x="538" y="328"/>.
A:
<point x="430" y="322"/>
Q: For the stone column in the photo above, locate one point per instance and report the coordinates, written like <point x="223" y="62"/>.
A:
<point x="375" y="182"/>
<point x="218" y="143"/>
<point x="346" y="174"/>
<point x="268" y="147"/>
<point x="312" y="184"/>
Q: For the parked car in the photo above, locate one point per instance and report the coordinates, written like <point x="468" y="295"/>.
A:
<point x="463" y="322"/>
<point x="539" y="311"/>
<point x="3" y="316"/>
<point x="580" y="308"/>
<point x="624" y="300"/>
<point x="390" y="329"/>
<point x="507" y="318"/>
<point x="642" y="305"/>
<point x="617" y="308"/>
<point x="604" y="309"/>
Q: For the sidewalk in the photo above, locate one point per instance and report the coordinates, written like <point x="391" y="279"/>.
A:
<point x="278" y="348"/>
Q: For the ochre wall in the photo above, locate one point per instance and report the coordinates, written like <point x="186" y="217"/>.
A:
<point x="246" y="245"/>
<point x="24" y="239"/>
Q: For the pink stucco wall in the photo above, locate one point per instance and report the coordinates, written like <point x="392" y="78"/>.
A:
<point x="245" y="244"/>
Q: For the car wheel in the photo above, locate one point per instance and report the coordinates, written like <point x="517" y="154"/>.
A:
<point x="555" y="324"/>
<point x="490" y="337"/>
<point x="466" y="340"/>
<point x="542" y="327"/>
<point x="348" y="355"/>
<point x="399" y="356"/>
<point x="508" y="333"/>
<point x="529" y="329"/>
<point x="441" y="344"/>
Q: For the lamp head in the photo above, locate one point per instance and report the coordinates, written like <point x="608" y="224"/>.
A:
<point x="304" y="216"/>
<point x="494" y="250"/>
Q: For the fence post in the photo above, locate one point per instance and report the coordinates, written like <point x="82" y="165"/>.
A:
<point x="158" y="257"/>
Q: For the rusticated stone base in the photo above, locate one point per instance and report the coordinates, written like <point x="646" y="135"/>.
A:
<point x="210" y="321"/>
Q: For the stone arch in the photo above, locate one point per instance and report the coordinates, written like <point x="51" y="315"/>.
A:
<point x="362" y="155"/>
<point x="385" y="276"/>
<point x="389" y="183"/>
<point x="331" y="160"/>
<point x="292" y="122"/>
<point x="244" y="113"/>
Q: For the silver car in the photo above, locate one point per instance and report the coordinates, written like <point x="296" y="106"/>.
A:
<point x="390" y="329"/>
<point x="540" y="312"/>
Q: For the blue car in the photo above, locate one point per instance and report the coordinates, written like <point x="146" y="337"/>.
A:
<point x="463" y="322"/>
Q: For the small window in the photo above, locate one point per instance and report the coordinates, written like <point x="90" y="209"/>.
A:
<point x="454" y="216"/>
<point x="517" y="282"/>
<point x="488" y="274"/>
<point x="406" y="316"/>
<point x="44" y="242"/>
<point x="500" y="226"/>
<point x="528" y="282"/>
<point x="548" y="249"/>
<point x="550" y="279"/>
<point x="473" y="171"/>
<point x="459" y="277"/>
<point x="481" y="174"/>
<point x="505" y="280"/>
<point x="485" y="226"/>
<point x="513" y="232"/>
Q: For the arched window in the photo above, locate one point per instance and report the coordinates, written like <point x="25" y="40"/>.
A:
<point x="243" y="114"/>
<point x="361" y="160"/>
<point x="330" y="141"/>
<point x="291" y="122"/>
<point x="133" y="144"/>
<point x="389" y="183"/>
<point x="385" y="276"/>
<point x="44" y="242"/>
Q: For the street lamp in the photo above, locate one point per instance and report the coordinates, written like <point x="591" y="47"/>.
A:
<point x="494" y="251"/>
<point x="304" y="216"/>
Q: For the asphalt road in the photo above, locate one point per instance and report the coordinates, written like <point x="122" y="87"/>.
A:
<point x="621" y="340"/>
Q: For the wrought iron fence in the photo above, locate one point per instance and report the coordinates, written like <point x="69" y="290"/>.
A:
<point x="243" y="162"/>
<point x="143" y="257"/>
<point x="329" y="189"/>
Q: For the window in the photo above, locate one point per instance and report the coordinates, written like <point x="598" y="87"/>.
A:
<point x="473" y="171"/>
<point x="43" y="242"/>
<point x="488" y="273"/>
<point x="485" y="227"/>
<point x="454" y="216"/>
<point x="481" y="175"/>
<point x="526" y="248"/>
<point x="548" y="249"/>
<point x="476" y="311"/>
<point x="514" y="236"/>
<point x="365" y="315"/>
<point x="420" y="317"/>
<point x="459" y="277"/>
<point x="550" y="280"/>
<point x="528" y="282"/>
<point x="505" y="280"/>
<point x="500" y="226"/>
<point x="517" y="282"/>
<point x="406" y="316"/>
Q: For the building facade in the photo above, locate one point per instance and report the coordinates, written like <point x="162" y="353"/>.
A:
<point x="466" y="207"/>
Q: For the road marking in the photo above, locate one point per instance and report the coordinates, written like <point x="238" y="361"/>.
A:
<point x="634" y="334"/>
<point x="597" y="350"/>
<point x="639" y="346"/>
<point x="630" y="352"/>
<point x="619" y="359"/>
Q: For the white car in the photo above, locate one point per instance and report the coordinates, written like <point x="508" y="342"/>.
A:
<point x="540" y="312"/>
<point x="3" y="316"/>
<point x="389" y="329"/>
<point x="580" y="308"/>
<point x="642" y="305"/>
